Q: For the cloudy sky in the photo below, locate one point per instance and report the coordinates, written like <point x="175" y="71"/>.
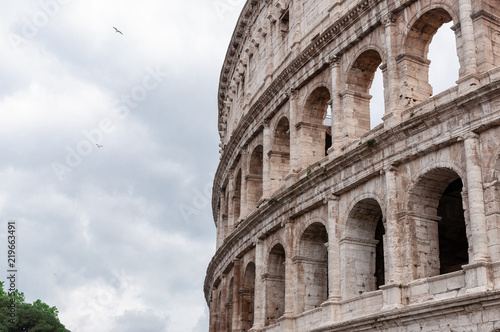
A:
<point x="117" y="237"/>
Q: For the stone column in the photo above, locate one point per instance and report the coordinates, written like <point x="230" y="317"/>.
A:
<point x="266" y="160"/>
<point x="468" y="80"/>
<point x="236" y="298"/>
<point x="290" y="272"/>
<point x="295" y="152"/>
<point x="230" y="203"/>
<point x="476" y="200"/>
<point x="289" y="269"/>
<point x="223" y="299"/>
<point x="336" y="104"/>
<point x="392" y="289"/>
<point x="260" y="296"/>
<point x="213" y="311"/>
<point x="333" y="249"/>
<point x="394" y="231"/>
<point x="296" y="34"/>
<point x="393" y="107"/>
<point x="267" y="32"/>
<point x="221" y="232"/>
<point x="244" y="185"/>
<point x="331" y="308"/>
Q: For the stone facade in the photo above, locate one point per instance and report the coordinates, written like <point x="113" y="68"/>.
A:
<point x="333" y="226"/>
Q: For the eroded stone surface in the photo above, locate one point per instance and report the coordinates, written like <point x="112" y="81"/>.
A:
<point x="324" y="225"/>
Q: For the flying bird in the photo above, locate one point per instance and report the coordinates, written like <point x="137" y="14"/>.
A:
<point x="98" y="146"/>
<point x="116" y="30"/>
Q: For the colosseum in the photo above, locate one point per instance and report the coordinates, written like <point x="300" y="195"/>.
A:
<point x="328" y="223"/>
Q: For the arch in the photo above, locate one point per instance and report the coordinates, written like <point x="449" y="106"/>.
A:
<point x="312" y="267"/>
<point x="444" y="165"/>
<point x="492" y="204"/>
<point x="280" y="154"/>
<point x="316" y="105"/>
<point x="360" y="75"/>
<point x="247" y="294"/>
<point x="219" y="311"/>
<point x="224" y="210"/>
<point x="362" y="249"/>
<point x="229" y="306"/>
<point x="356" y="97"/>
<point x="414" y="61"/>
<point x="304" y="226"/>
<point x="435" y="209"/>
<point x="274" y="281"/>
<point x="254" y="178"/>
<point x="236" y="199"/>
<point x="314" y="136"/>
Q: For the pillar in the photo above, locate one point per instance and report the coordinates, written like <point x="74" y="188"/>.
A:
<point x="393" y="231"/>
<point x="295" y="162"/>
<point x="392" y="290"/>
<point x="289" y="270"/>
<point x="223" y="299"/>
<point x="476" y="200"/>
<point x="336" y="103"/>
<point x="468" y="80"/>
<point x="260" y="299"/>
<point x="266" y="159"/>
<point x="221" y="223"/>
<point x="236" y="298"/>
<point x="244" y="185"/>
<point x="230" y="203"/>
<point x="393" y="107"/>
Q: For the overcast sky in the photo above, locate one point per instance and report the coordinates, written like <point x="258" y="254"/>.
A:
<point x="117" y="237"/>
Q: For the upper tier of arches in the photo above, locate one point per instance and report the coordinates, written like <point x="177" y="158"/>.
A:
<point x="295" y="86"/>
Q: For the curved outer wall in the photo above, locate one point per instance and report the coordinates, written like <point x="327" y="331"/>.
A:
<point x="326" y="224"/>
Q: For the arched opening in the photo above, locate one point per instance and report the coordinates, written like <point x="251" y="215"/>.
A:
<point x="237" y="197"/>
<point x="415" y="63"/>
<point x="362" y="249"/>
<point x="379" y="254"/>
<point x="356" y="98"/>
<point x="254" y="179"/>
<point x="275" y="285"/>
<point x="247" y="294"/>
<point x="312" y="264"/>
<point x="224" y="210"/>
<point x="219" y="311"/>
<point x="315" y="136"/>
<point x="377" y="102"/>
<point x="229" y="306"/>
<point x="437" y="214"/>
<point x="444" y="66"/>
<point x="453" y="244"/>
<point x="280" y="154"/>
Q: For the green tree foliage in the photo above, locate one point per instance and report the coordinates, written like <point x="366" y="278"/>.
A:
<point x="36" y="317"/>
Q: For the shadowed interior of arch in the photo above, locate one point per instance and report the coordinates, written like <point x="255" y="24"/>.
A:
<point x="280" y="154"/>
<point x="237" y="197"/>
<point x="247" y="295"/>
<point x="314" y="125"/>
<point x="275" y="284"/>
<point x="439" y="220"/>
<point x="254" y="178"/>
<point x="453" y="245"/>
<point x="362" y="249"/>
<point x="359" y="82"/>
<point x="312" y="266"/>
<point x="416" y="61"/>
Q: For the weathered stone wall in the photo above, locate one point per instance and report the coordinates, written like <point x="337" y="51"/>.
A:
<point x="326" y="225"/>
